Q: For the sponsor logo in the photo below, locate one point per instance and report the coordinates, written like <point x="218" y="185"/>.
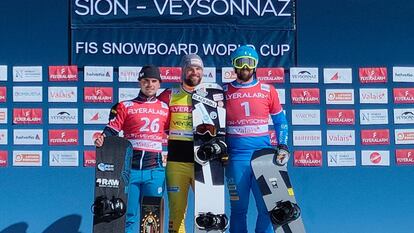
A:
<point x="271" y="75"/>
<point x="3" y="158"/>
<point x="373" y="96"/>
<point x="404" y="116"/>
<point x="228" y="74"/>
<point x="340" y="117"/>
<point x="404" y="136"/>
<point x="403" y="95"/>
<point x="3" y="73"/>
<point x="308" y="158"/>
<point x="3" y="94"/>
<point x="63" y="73"/>
<point x="373" y="116"/>
<point x="375" y="158"/>
<point x="107" y="183"/>
<point x="307" y="138"/>
<point x="273" y="138"/>
<point x="27" y="116"/>
<point x="341" y="158"/>
<point x="339" y="96"/>
<point x="27" y="158"/>
<point x="304" y="75"/>
<point x="89" y="158"/>
<point x="170" y="74"/>
<point x="105" y="167"/>
<point x="281" y="94"/>
<point x="95" y="116"/>
<point x="3" y="115"/>
<point x="403" y="74"/>
<point x="27" y="94"/>
<point x="98" y="94"/>
<point x="98" y="73"/>
<point x="63" y="116"/>
<point x="128" y="73"/>
<point x="128" y="93"/>
<point x="28" y="136"/>
<point x="337" y="75"/>
<point x="27" y="73"/>
<point x="209" y="75"/>
<point x="62" y="94"/>
<point x="3" y="136"/>
<point x="64" y="158"/>
<point x="305" y="96"/>
<point x="306" y="117"/>
<point x="404" y="156"/>
<point x="60" y="137"/>
<point x="89" y="137"/>
<point x="340" y="137"/>
<point x="375" y="137"/>
<point x="373" y="75"/>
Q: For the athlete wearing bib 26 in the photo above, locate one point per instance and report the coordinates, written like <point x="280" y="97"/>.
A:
<point x="249" y="104"/>
<point x="143" y="121"/>
<point x="180" y="165"/>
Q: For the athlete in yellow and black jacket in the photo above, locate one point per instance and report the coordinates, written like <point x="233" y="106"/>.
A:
<point x="180" y="165"/>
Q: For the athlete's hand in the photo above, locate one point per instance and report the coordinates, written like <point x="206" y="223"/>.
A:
<point x="99" y="141"/>
<point x="282" y="154"/>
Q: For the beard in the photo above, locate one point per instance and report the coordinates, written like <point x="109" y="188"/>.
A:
<point x="244" y="74"/>
<point x="192" y="81"/>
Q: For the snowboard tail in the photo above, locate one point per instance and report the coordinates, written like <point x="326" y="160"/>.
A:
<point x="278" y="195"/>
<point x="113" y="164"/>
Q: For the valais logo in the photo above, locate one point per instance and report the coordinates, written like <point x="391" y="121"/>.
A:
<point x="63" y="73"/>
<point x="403" y="95"/>
<point x="3" y="94"/>
<point x="375" y="137"/>
<point x="373" y="95"/>
<point x="305" y="96"/>
<point x="170" y="74"/>
<point x="404" y="156"/>
<point x="89" y="159"/>
<point x="340" y="117"/>
<point x="271" y="75"/>
<point x="98" y="94"/>
<point x="60" y="137"/>
<point x="373" y="75"/>
<point x="308" y="158"/>
<point x="27" y="116"/>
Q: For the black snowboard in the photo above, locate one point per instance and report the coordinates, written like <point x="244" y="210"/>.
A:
<point x="113" y="164"/>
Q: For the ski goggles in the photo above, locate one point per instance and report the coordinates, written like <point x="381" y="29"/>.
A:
<point x="241" y="62"/>
<point x="204" y="129"/>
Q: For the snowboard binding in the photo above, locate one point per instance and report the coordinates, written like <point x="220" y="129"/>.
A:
<point x="284" y="213"/>
<point x="211" y="150"/>
<point x="212" y="222"/>
<point x="108" y="210"/>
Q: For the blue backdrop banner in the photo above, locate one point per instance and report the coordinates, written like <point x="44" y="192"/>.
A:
<point x="131" y="32"/>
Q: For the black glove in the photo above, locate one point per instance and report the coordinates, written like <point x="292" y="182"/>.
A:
<point x="282" y="155"/>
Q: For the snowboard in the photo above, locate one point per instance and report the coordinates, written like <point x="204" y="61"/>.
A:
<point x="277" y="191"/>
<point x="152" y="215"/>
<point x="209" y="122"/>
<point x="113" y="165"/>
